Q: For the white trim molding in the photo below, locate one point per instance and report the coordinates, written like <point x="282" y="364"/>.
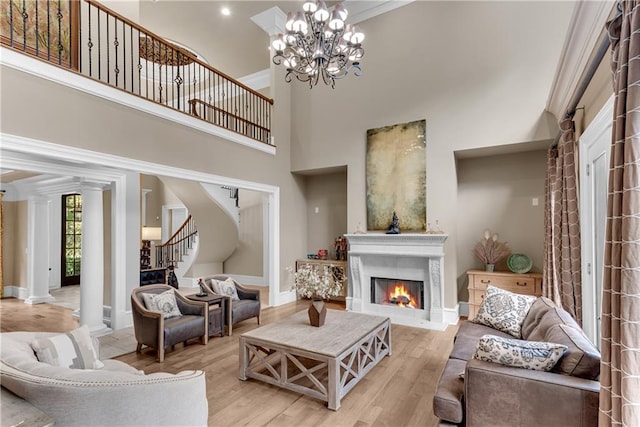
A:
<point x="585" y="29"/>
<point x="41" y="69"/>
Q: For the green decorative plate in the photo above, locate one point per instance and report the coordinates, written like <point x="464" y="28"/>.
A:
<point x="519" y="263"/>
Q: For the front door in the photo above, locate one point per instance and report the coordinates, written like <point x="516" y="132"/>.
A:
<point x="71" y="239"/>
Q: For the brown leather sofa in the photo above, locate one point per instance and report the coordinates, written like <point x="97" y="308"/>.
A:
<point x="491" y="394"/>
<point x="152" y="330"/>
<point x="247" y="307"/>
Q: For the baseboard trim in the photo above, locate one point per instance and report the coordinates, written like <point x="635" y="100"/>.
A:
<point x="15" y="292"/>
<point x="286" y="297"/>
<point x="463" y="308"/>
<point x="451" y="315"/>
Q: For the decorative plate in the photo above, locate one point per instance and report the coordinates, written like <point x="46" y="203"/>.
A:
<point x="519" y="263"/>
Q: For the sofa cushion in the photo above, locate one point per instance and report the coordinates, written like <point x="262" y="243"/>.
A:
<point x="447" y="402"/>
<point x="70" y="350"/>
<point x="164" y="302"/>
<point x="539" y="356"/>
<point x="538" y="309"/>
<point x="554" y="316"/>
<point x="503" y="310"/>
<point x="582" y="359"/>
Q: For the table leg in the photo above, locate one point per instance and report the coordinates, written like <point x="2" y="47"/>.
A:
<point x="333" y="385"/>
<point x="244" y="359"/>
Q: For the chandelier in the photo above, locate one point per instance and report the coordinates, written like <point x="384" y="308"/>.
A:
<point x="319" y="43"/>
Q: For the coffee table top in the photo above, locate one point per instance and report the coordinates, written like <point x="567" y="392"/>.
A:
<point x="341" y="330"/>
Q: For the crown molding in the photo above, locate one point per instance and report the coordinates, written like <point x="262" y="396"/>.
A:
<point x="586" y="28"/>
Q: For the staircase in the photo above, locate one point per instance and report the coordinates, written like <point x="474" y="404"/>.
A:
<point x="202" y="250"/>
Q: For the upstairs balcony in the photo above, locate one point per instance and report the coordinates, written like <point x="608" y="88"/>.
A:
<point x="88" y="39"/>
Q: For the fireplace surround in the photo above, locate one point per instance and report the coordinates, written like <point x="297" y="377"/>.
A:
<point x="408" y="257"/>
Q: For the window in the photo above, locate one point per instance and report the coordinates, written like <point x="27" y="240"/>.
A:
<point x="71" y="239"/>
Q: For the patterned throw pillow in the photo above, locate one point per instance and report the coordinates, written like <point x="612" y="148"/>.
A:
<point x="503" y="310"/>
<point x="228" y="288"/>
<point x="164" y="303"/>
<point x="71" y="350"/>
<point x="539" y="356"/>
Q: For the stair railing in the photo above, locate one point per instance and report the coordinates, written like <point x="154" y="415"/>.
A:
<point x="176" y="247"/>
<point x="90" y="39"/>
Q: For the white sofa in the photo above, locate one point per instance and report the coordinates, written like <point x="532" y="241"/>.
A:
<point x="116" y="395"/>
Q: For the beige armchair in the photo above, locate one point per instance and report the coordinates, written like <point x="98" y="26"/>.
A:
<point x="246" y="308"/>
<point x="153" y="330"/>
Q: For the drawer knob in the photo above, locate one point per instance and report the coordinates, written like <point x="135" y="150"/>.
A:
<point x="521" y="284"/>
<point x="485" y="281"/>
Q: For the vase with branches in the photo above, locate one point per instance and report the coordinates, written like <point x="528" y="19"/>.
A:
<point x="319" y="284"/>
<point x="490" y="250"/>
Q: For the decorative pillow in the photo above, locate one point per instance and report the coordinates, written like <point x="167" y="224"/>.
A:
<point x="164" y="303"/>
<point x="228" y="288"/>
<point x="539" y="356"/>
<point x="73" y="350"/>
<point x="214" y="286"/>
<point x="503" y="310"/>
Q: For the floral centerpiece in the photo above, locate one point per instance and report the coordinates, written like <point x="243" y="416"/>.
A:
<point x="490" y="250"/>
<point x="315" y="283"/>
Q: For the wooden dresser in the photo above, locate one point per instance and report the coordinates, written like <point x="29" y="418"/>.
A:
<point x="527" y="284"/>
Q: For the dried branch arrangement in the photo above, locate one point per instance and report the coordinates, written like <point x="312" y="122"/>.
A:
<point x="490" y="250"/>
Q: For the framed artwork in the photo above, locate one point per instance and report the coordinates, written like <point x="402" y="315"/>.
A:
<point x="396" y="175"/>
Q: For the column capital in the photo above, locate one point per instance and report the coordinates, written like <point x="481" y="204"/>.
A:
<point x="92" y="185"/>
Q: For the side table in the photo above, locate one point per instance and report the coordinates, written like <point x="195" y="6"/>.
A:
<point x="217" y="307"/>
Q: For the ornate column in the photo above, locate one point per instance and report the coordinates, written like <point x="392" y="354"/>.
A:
<point x="38" y="250"/>
<point x="92" y="269"/>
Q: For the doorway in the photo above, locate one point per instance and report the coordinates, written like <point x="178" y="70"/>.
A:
<point x="595" y="145"/>
<point x="71" y="239"/>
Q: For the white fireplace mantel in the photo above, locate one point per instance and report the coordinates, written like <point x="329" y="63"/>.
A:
<point x="410" y="256"/>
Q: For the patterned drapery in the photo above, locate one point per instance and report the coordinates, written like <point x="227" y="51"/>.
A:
<point x="562" y="280"/>
<point x="620" y="345"/>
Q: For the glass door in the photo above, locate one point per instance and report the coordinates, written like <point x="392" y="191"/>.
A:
<point x="71" y="239"/>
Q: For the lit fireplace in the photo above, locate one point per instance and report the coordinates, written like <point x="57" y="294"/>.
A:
<point x="400" y="293"/>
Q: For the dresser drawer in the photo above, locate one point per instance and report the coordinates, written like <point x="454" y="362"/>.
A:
<point x="526" y="284"/>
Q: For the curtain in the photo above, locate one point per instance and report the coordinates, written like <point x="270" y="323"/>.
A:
<point x="562" y="280"/>
<point x="1" y="240"/>
<point x="620" y="345"/>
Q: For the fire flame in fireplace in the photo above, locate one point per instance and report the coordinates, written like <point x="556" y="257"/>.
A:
<point x="401" y="297"/>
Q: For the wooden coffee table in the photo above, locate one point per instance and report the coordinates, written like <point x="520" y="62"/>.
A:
<point x="325" y="362"/>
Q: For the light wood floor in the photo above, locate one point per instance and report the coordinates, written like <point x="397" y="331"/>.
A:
<point x="397" y="392"/>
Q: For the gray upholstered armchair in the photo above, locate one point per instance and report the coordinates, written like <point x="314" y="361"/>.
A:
<point x="247" y="307"/>
<point x="153" y="330"/>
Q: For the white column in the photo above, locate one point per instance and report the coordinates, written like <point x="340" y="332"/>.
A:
<point x="38" y="251"/>
<point x="92" y="269"/>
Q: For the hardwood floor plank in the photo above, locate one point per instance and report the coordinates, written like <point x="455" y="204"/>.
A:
<point x="397" y="392"/>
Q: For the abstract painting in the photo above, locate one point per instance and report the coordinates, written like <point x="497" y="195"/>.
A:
<point x="396" y="171"/>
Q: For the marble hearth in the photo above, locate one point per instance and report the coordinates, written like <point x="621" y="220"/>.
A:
<point x="411" y="257"/>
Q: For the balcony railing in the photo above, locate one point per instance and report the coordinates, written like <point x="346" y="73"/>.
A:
<point x="91" y="39"/>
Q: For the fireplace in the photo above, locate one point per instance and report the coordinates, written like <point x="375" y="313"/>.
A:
<point x="378" y="261"/>
<point x="400" y="293"/>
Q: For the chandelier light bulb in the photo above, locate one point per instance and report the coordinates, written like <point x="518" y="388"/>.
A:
<point x="358" y="36"/>
<point x="279" y="44"/>
<point x="341" y="11"/>
<point x="299" y="23"/>
<point x="336" y="22"/>
<point x="309" y="6"/>
<point x="291" y="16"/>
<point x="322" y="14"/>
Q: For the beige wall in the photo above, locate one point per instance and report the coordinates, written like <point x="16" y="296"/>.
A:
<point x="247" y="258"/>
<point x="497" y="192"/>
<point x="476" y="84"/>
<point x="154" y="200"/>
<point x="326" y="193"/>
